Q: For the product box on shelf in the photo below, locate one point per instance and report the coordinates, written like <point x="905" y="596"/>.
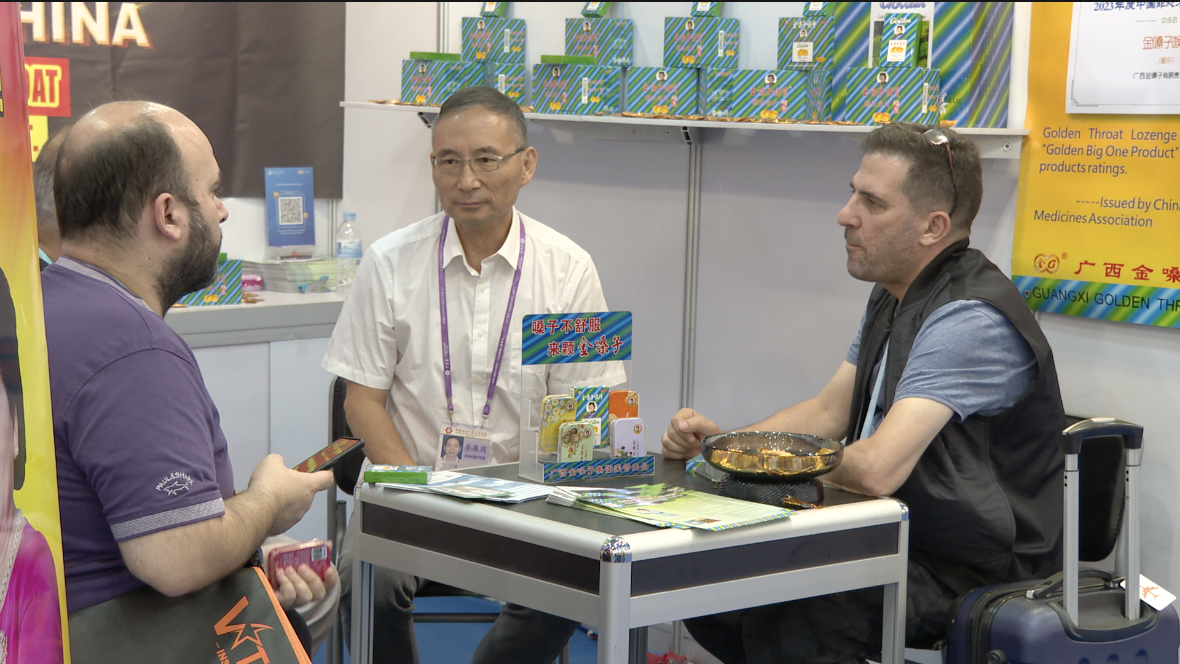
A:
<point x="491" y="39"/>
<point x="899" y="40"/>
<point x="851" y="50"/>
<point x="715" y="86"/>
<point x="879" y="39"/>
<point x="510" y="79"/>
<point x="497" y="9"/>
<point x="662" y="90"/>
<point x="819" y="8"/>
<point x="701" y="41"/>
<point x="430" y="82"/>
<point x="971" y="45"/>
<point x="772" y="94"/>
<point x="806" y="42"/>
<point x="707" y="8"/>
<point x="878" y="95"/>
<point x="608" y="40"/>
<point x="576" y="89"/>
<point x="596" y="9"/>
<point x="819" y="95"/>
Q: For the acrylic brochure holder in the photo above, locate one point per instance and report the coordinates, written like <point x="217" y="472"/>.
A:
<point x="559" y="339"/>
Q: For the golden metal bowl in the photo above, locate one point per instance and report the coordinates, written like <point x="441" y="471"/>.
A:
<point x="768" y="455"/>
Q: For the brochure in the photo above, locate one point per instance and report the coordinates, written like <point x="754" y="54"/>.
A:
<point x="475" y="487"/>
<point x="669" y="506"/>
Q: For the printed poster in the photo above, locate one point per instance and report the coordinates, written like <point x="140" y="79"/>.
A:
<point x="32" y="595"/>
<point x="1098" y="209"/>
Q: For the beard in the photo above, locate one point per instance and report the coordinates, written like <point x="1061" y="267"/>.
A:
<point x="194" y="268"/>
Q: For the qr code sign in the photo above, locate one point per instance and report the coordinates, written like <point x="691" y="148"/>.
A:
<point x="290" y="210"/>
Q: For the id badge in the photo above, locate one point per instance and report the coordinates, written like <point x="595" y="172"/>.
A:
<point x="462" y="446"/>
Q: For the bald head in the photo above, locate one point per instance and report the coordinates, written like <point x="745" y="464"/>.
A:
<point x="115" y="161"/>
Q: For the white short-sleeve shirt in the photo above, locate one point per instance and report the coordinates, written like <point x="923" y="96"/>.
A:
<point x="389" y="333"/>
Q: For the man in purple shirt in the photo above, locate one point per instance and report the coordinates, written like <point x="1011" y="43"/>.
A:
<point x="144" y="478"/>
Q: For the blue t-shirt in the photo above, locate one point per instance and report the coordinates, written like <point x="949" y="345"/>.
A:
<point x="968" y="356"/>
<point x="138" y="440"/>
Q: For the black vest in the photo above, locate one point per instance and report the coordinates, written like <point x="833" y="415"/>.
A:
<point x="985" y="498"/>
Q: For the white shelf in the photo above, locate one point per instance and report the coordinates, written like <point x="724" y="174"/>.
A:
<point x="993" y="143"/>
<point x="278" y="317"/>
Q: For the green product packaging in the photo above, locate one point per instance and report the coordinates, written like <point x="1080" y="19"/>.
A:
<point x="426" y="55"/>
<point x="770" y="94"/>
<point x="899" y="40"/>
<point x="851" y="36"/>
<point x="492" y="39"/>
<point x="430" y="82"/>
<point x="715" y="86"/>
<point x="576" y="89"/>
<point x="806" y="42"/>
<point x="398" y="474"/>
<point x="608" y="40"/>
<point x="819" y="8"/>
<point x="568" y="60"/>
<point x="596" y="9"/>
<point x="510" y="79"/>
<point x="496" y="9"/>
<point x="707" y="8"/>
<point x="879" y="95"/>
<point x="971" y="45"/>
<point x="701" y="41"/>
<point x="878" y="40"/>
<point x="662" y="91"/>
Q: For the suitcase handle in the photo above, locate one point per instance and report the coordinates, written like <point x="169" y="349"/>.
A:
<point x="1075" y="435"/>
<point x="1127" y="563"/>
<point x="1054" y="584"/>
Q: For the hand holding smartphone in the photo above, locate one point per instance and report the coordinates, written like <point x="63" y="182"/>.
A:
<point x="330" y="455"/>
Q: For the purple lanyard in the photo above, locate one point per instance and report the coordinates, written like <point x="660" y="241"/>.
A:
<point x="446" y="335"/>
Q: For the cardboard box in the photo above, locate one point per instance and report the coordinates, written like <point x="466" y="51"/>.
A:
<point x="701" y="41"/>
<point x="878" y="95"/>
<point x="806" y="42"/>
<point x="818" y="8"/>
<point x="852" y="27"/>
<point x="899" y="40"/>
<point x="715" y="86"/>
<point x="608" y="40"/>
<point x="596" y="9"/>
<point x="879" y="10"/>
<point x="498" y="9"/>
<point x="770" y="94"/>
<point x="491" y="39"/>
<point x="225" y="289"/>
<point x="819" y="95"/>
<point x="430" y="82"/>
<point x="509" y="79"/>
<point x="662" y="91"/>
<point x="576" y="89"/>
<point x="707" y="8"/>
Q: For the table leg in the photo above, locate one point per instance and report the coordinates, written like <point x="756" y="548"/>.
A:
<point x="362" y="612"/>
<point x="893" y="616"/>
<point x="614" y="602"/>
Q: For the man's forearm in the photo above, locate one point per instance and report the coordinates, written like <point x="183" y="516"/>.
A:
<point x="180" y="560"/>
<point x="371" y="422"/>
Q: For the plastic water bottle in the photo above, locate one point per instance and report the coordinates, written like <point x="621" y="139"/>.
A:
<point x="349" y="249"/>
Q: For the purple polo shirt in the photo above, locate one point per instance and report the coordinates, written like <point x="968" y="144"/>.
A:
<point x="138" y="440"/>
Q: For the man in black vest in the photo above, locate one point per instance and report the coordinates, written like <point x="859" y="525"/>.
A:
<point x="949" y="399"/>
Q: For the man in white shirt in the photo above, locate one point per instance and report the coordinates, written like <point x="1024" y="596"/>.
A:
<point x="489" y="266"/>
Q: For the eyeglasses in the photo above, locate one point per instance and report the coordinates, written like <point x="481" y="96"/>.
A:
<point x="481" y="164"/>
<point x="937" y="137"/>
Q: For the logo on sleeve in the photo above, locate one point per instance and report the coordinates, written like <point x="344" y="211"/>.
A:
<point x="174" y="483"/>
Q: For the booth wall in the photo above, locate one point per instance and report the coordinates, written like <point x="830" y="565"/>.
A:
<point x="776" y="308"/>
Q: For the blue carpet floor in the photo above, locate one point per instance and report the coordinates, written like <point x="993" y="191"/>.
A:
<point x="453" y="643"/>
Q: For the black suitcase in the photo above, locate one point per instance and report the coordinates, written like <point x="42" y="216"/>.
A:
<point x="1072" y="617"/>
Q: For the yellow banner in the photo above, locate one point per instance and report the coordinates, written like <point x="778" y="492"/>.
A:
<point x="32" y="606"/>
<point x="1098" y="209"/>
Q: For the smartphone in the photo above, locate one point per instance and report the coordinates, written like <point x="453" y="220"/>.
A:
<point x="315" y="553"/>
<point x="327" y="457"/>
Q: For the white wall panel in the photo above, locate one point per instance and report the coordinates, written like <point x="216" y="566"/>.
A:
<point x="238" y="380"/>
